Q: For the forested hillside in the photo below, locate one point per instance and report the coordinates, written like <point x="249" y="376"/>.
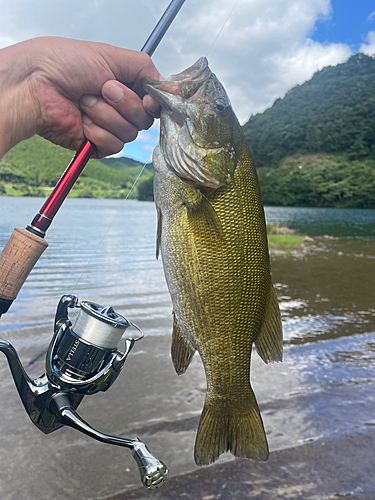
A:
<point x="334" y="112"/>
<point x="316" y="146"/>
<point x="34" y="166"/>
<point x="126" y="165"/>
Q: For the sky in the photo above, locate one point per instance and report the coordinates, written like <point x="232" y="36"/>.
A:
<point x="258" y="49"/>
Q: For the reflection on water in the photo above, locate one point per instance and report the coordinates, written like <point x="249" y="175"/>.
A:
<point x="104" y="251"/>
<point x="326" y="291"/>
<point x="101" y="250"/>
<point x="341" y="222"/>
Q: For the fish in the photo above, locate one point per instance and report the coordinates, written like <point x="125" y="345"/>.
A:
<point x="211" y="234"/>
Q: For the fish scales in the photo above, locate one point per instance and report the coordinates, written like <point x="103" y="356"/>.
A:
<point x="213" y="242"/>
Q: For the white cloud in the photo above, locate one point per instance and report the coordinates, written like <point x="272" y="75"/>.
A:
<point x="369" y="47"/>
<point x="262" y="50"/>
<point x="147" y="135"/>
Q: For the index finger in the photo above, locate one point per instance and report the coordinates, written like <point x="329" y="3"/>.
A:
<point x="129" y="66"/>
<point x="151" y="106"/>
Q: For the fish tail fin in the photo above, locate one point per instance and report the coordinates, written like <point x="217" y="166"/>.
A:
<point x="238" y="430"/>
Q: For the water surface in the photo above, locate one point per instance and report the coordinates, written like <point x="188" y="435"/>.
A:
<point x="104" y="251"/>
<point x="340" y="222"/>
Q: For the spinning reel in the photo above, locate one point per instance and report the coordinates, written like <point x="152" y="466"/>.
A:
<point x="81" y="359"/>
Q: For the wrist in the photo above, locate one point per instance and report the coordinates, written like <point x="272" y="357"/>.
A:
<point x="18" y="107"/>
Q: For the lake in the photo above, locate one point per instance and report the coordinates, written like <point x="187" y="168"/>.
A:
<point x="104" y="251"/>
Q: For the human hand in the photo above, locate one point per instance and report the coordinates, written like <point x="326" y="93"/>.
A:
<point x="70" y="90"/>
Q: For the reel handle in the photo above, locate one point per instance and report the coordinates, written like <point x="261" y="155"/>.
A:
<point x="153" y="471"/>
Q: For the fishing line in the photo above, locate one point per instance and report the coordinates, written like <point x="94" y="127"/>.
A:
<point x="144" y="166"/>
<point x="109" y="227"/>
<point x="221" y="29"/>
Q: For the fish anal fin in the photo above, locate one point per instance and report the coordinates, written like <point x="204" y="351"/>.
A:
<point x="239" y="431"/>
<point x="182" y="352"/>
<point x="269" y="343"/>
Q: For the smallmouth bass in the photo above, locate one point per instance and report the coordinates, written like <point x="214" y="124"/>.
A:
<point x="212" y="237"/>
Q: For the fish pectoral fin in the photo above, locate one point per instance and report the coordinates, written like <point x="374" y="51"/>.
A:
<point x="158" y="232"/>
<point x="200" y="212"/>
<point x="182" y="351"/>
<point x="269" y="343"/>
<point x="205" y="214"/>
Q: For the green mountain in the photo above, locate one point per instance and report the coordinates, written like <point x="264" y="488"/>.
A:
<point x="34" y="166"/>
<point x="316" y="146"/>
<point x="126" y="165"/>
<point x="334" y="112"/>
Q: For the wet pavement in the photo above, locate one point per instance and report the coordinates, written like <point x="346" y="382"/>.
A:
<point x="338" y="469"/>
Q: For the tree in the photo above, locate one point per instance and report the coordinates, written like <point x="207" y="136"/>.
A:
<point x="146" y="190"/>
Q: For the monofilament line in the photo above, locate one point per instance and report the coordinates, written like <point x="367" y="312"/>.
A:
<point x="221" y="29"/>
<point x="109" y="227"/>
<point x="144" y="166"/>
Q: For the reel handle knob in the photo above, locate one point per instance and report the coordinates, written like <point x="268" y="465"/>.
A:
<point x="153" y="471"/>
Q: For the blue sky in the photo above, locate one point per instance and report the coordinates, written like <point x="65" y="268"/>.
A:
<point x="259" y="49"/>
<point x="142" y="148"/>
<point x="349" y="23"/>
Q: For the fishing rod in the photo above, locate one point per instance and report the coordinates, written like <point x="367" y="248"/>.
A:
<point x="82" y="358"/>
<point x="26" y="245"/>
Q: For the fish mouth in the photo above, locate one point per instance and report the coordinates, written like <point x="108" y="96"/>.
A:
<point x="181" y="145"/>
<point x="184" y="85"/>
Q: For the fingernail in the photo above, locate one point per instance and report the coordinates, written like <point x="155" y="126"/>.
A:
<point x="113" y="92"/>
<point x="88" y="100"/>
<point x="86" y="120"/>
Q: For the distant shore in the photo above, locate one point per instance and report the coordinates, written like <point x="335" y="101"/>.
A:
<point x="80" y="190"/>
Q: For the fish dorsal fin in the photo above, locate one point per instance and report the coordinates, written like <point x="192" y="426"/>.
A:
<point x="158" y="232"/>
<point x="269" y="343"/>
<point x="182" y="351"/>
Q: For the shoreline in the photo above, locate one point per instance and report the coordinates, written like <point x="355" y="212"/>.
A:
<point x="15" y="191"/>
<point x="324" y="469"/>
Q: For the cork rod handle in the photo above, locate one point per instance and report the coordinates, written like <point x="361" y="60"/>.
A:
<point x="17" y="259"/>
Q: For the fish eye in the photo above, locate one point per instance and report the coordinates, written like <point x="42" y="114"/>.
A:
<point x="221" y="107"/>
